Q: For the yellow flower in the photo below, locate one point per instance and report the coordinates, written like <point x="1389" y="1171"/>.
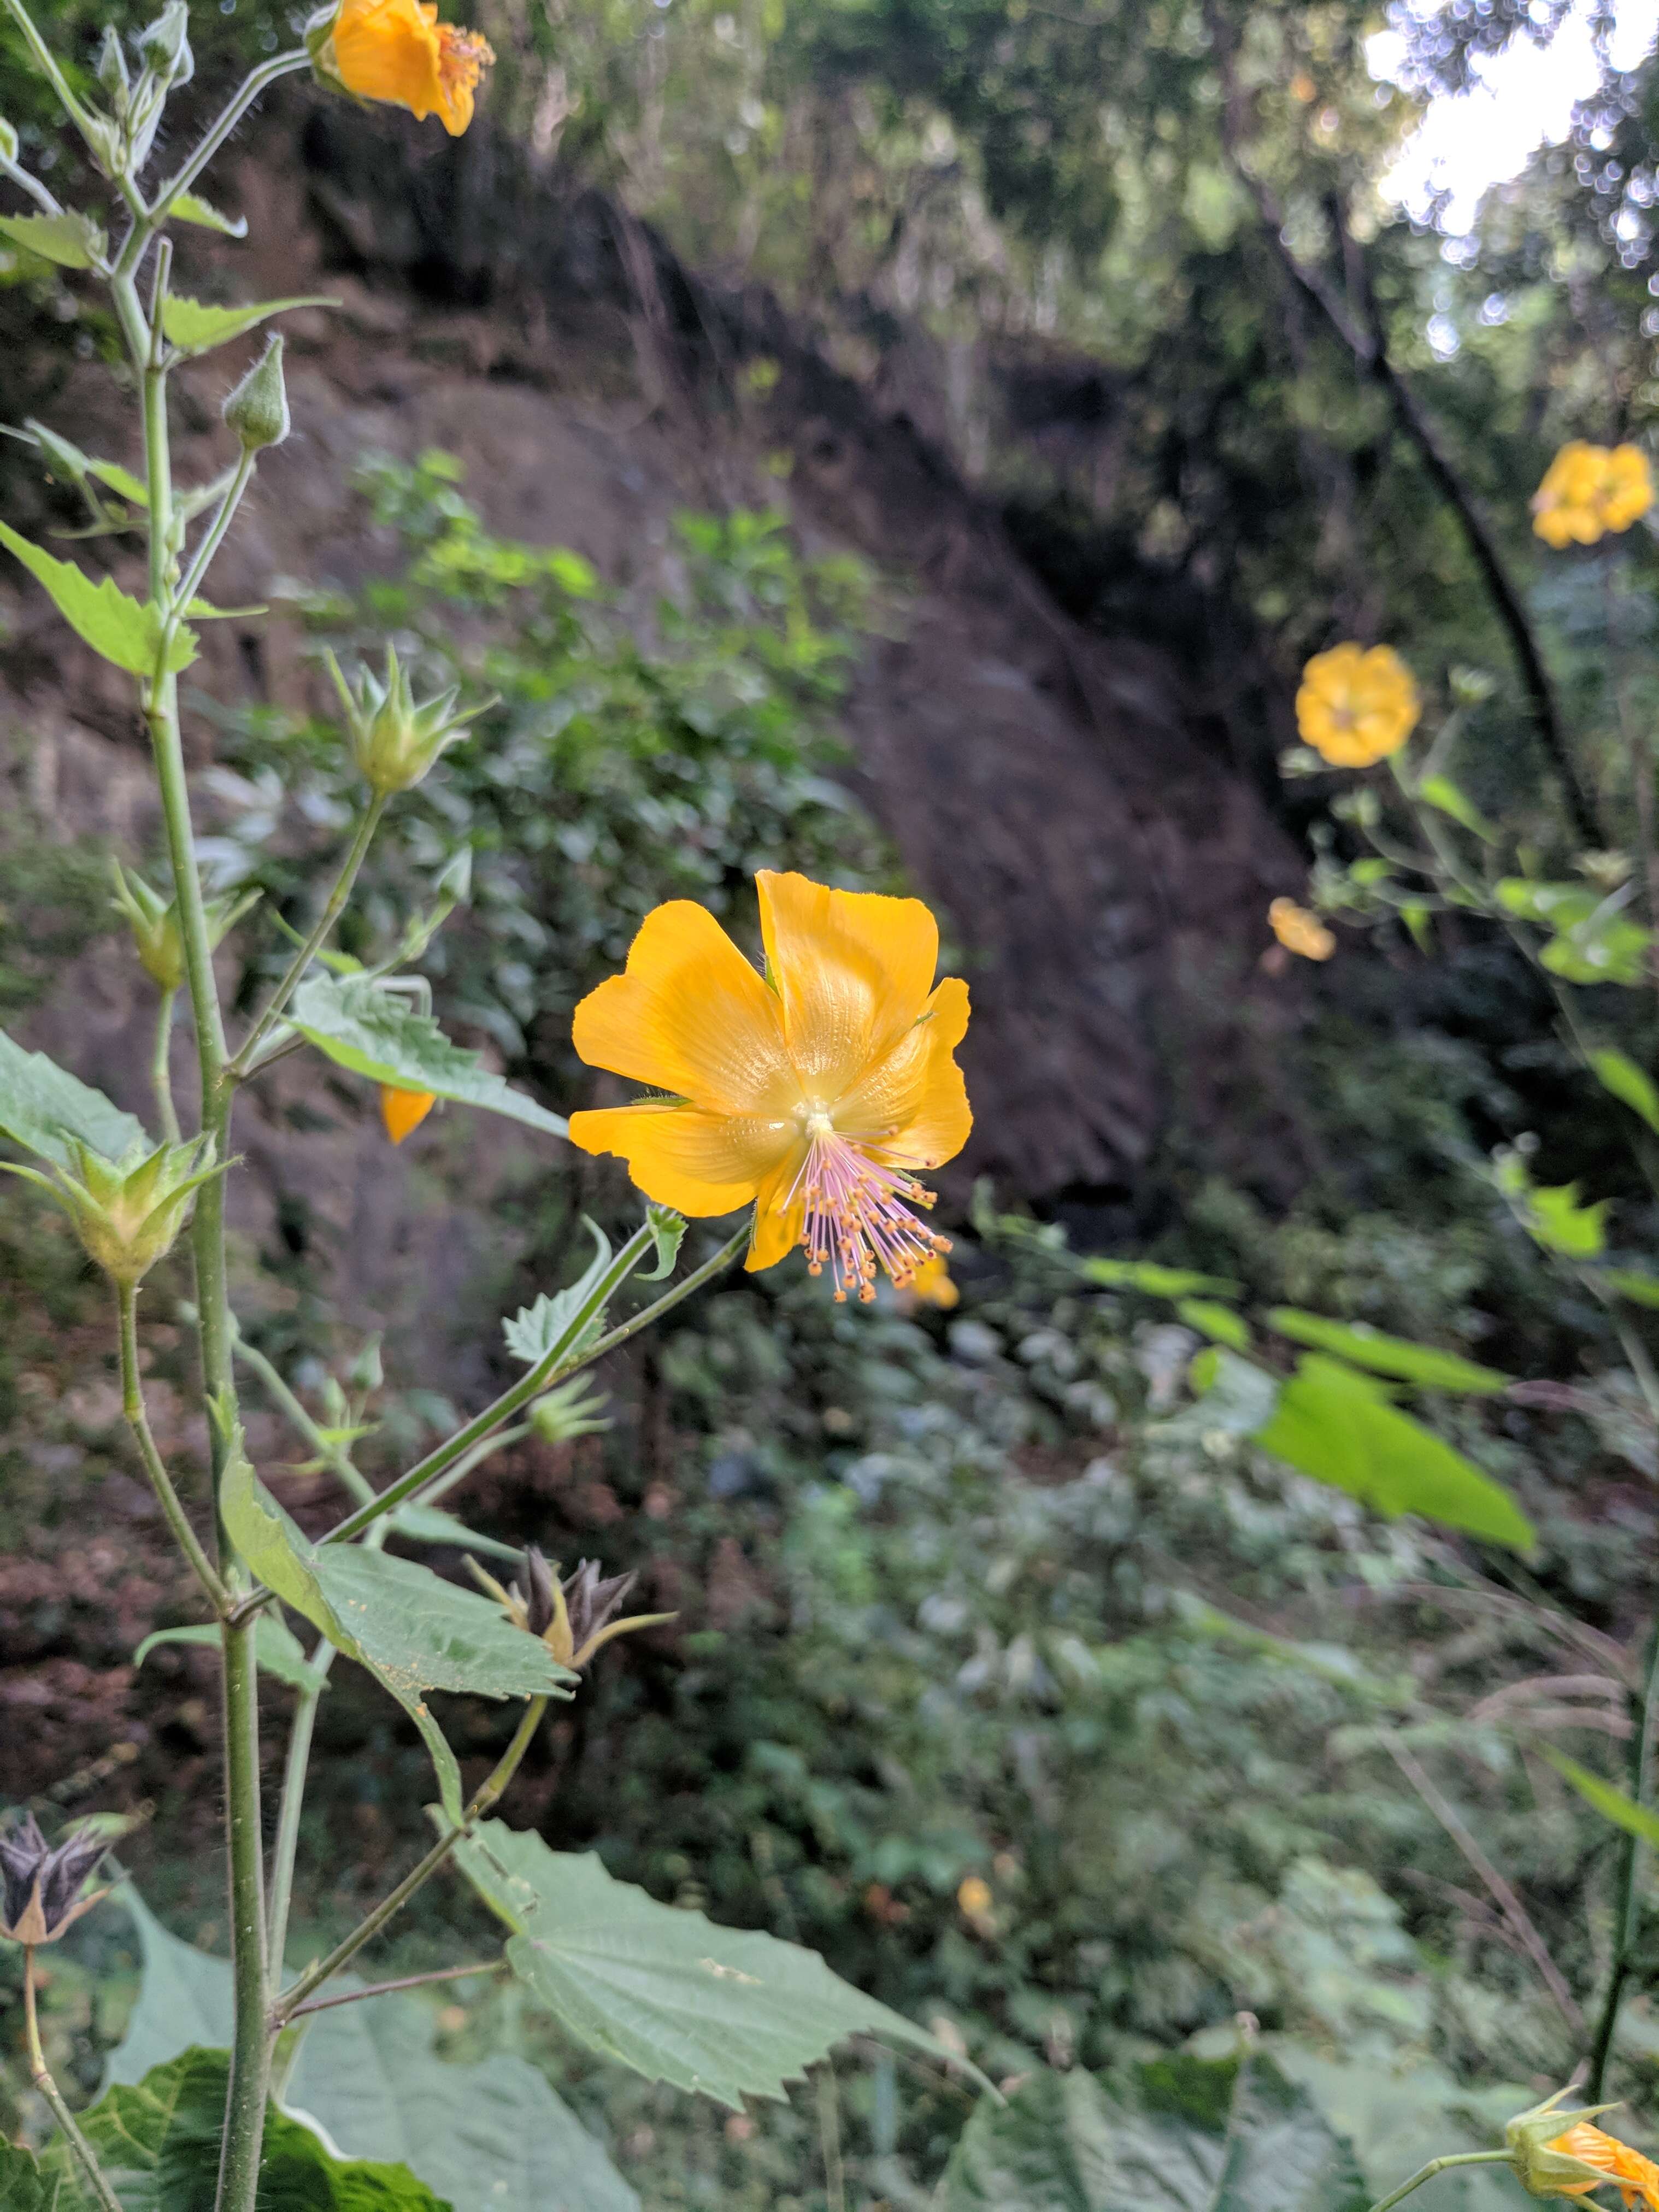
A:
<point x="1631" y="2174"/>
<point x="1300" y="931"/>
<point x="931" y="1284"/>
<point x="973" y="1899"/>
<point x="398" y="50"/>
<point x="1589" y="490"/>
<point x="404" y="1111"/>
<point x="818" y="1092"/>
<point x="1356" y="707"/>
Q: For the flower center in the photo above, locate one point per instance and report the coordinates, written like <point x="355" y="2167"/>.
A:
<point x="463" y="57"/>
<point x="855" y="1215"/>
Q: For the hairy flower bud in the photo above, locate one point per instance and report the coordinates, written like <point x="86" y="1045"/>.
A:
<point x="164" y="44"/>
<point x="128" y="1213"/>
<point x="395" y="740"/>
<point x="41" y="1888"/>
<point x="257" y="411"/>
<point x="154" y="922"/>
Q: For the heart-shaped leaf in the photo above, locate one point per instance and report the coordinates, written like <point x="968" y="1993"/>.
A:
<point x="125" y="630"/>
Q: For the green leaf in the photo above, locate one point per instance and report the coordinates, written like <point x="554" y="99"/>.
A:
<point x="195" y="327"/>
<point x="42" y="1106"/>
<point x="125" y="630"/>
<point x="1608" y="1800"/>
<point x="729" y="2013"/>
<point x="158" y="2140"/>
<point x="411" y="1630"/>
<point x="1629" y="1084"/>
<point x="375" y="1034"/>
<point x="1236" y="1395"/>
<point x="549" y="1325"/>
<point x="1631" y="1283"/>
<point x="1559" y="906"/>
<point x="23" y="2187"/>
<point x="1615" y="951"/>
<point x="277" y="1649"/>
<point x="73" y="241"/>
<point x="1559" y="1223"/>
<point x="430" y="1524"/>
<point x="1157" y="1282"/>
<point x="1442" y="792"/>
<point x="1177" y="2134"/>
<point x="1386" y="1355"/>
<point x="492" y="2137"/>
<point x="1220" y="1323"/>
<point x="1339" y="1427"/>
<point x="119" y="480"/>
<point x="667" y="1230"/>
<point x="190" y="207"/>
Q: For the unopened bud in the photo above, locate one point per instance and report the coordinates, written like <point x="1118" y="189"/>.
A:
<point x="112" y="68"/>
<point x="8" y="141"/>
<point x="164" y="44"/>
<point x="396" y="738"/>
<point x="128" y="1213"/>
<point x="154" y="921"/>
<point x="257" y="411"/>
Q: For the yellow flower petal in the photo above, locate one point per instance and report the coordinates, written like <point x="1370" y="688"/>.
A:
<point x="911" y="1109"/>
<point x="1300" y="931"/>
<point x="853" y="970"/>
<point x="689" y="1016"/>
<point x="404" y="1111"/>
<point x="699" y="1163"/>
<point x="779" y="1216"/>
<point x="388" y="49"/>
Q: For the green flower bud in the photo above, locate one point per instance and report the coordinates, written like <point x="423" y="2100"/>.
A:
<point x="128" y="1213"/>
<point x="573" y="1409"/>
<point x="154" y="922"/>
<point x="394" y="739"/>
<point x="257" y="411"/>
<point x="164" y="44"/>
<point x="1544" y="2172"/>
<point x="8" y="141"/>
<point x="112" y="68"/>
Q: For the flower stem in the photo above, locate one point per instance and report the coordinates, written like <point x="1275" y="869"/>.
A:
<point x="60" y="2112"/>
<point x="161" y="1073"/>
<point x="1441" y="2166"/>
<point x="308" y="953"/>
<point x="244" y="97"/>
<point x="292" y="2000"/>
<point x="292" y="1801"/>
<point x="1646" y="1718"/>
<point x="132" y="1405"/>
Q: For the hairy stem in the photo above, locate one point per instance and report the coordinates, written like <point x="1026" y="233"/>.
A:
<point x="404" y="1982"/>
<point x="251" y="2049"/>
<point x="41" y="2077"/>
<point x="160" y="1069"/>
<point x="342" y="1954"/>
<point x="1441" y="2166"/>
<point x="132" y="1405"/>
<point x="333" y="908"/>
<point x="287" y="1846"/>
<point x="247" y="93"/>
<point x="1645" y="1719"/>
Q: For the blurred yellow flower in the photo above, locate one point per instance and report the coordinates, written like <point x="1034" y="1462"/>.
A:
<point x="974" y="1897"/>
<point x="1303" y="932"/>
<point x="1631" y="2174"/>
<point x="816" y="1091"/>
<point x="404" y="1111"/>
<point x="1589" y="490"/>
<point x="931" y="1284"/>
<point x="398" y="50"/>
<point x="1355" y="707"/>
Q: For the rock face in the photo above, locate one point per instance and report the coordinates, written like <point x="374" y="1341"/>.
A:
<point x="1101" y="874"/>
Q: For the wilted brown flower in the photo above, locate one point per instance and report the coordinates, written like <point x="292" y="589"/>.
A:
<point x="573" y="1618"/>
<point x="41" y="1892"/>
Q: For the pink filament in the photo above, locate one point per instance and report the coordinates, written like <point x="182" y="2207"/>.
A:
<point x="856" y="1220"/>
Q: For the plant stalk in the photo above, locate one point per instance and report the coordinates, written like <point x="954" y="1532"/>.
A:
<point x="292" y="2000"/>
<point x="334" y="908"/>
<point x="247" y="93"/>
<point x="1646" y="1719"/>
<point x="251" y="2049"/>
<point x="403" y="1982"/>
<point x="132" y="1405"/>
<point x="161" y="1070"/>
<point x="287" y="1846"/>
<point x="41" y="2077"/>
<point x="1441" y="2166"/>
<point x="543" y="1375"/>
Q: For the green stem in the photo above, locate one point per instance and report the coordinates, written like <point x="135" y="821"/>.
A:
<point x="334" y="908"/>
<point x="541" y="1377"/>
<point x="403" y="1982"/>
<point x="33" y="186"/>
<point x="46" y="61"/>
<point x="160" y="1069"/>
<point x="292" y="1801"/>
<point x="476" y="1457"/>
<point x="244" y="97"/>
<point x="132" y="1405"/>
<point x="251" y="2049"/>
<point x="1441" y="2166"/>
<point x="212" y="538"/>
<point x="43" y="2081"/>
<point x="293" y="1999"/>
<point x="1645" y="1717"/>
<point x="334" y="1456"/>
